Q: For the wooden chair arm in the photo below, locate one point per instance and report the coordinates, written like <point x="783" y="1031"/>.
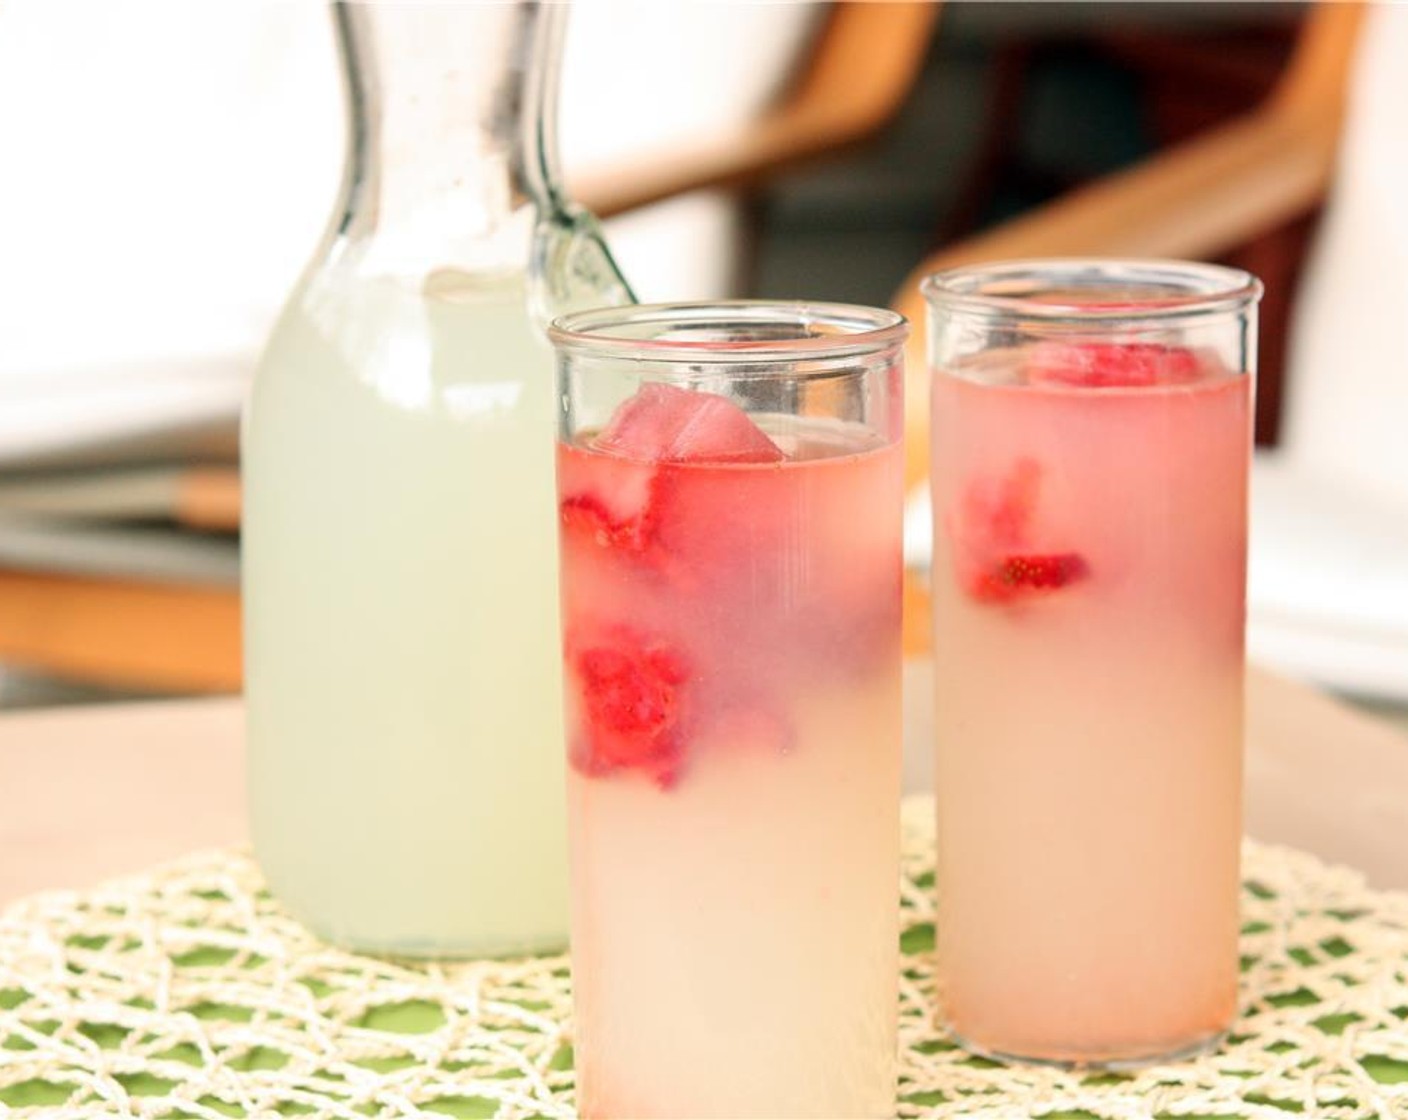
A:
<point x="151" y="636"/>
<point x="1195" y="200"/>
<point x="859" y="75"/>
<point x="209" y="498"/>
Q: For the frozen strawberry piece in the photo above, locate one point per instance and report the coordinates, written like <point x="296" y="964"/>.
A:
<point x="665" y="424"/>
<point x="632" y="705"/>
<point x="637" y="538"/>
<point x="1017" y="576"/>
<point x="614" y="505"/>
<point x="587" y="513"/>
<point x="997" y="512"/>
<point x="997" y="558"/>
<point x="1101" y="365"/>
<point x="625" y="501"/>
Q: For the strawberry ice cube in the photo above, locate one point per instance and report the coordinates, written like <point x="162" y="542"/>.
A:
<point x="629" y="692"/>
<point x="1101" y="365"/>
<point x="1014" y="577"/>
<point x="590" y="515"/>
<point x="994" y="533"/>
<point x="611" y="503"/>
<point x="665" y="424"/>
<point x="998" y="512"/>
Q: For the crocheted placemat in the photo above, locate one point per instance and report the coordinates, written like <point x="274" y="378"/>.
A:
<point x="187" y="992"/>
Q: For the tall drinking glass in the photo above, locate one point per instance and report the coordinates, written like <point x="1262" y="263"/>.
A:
<point x="1091" y="441"/>
<point x="730" y="484"/>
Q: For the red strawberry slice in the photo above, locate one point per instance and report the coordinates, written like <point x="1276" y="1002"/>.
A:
<point x="665" y="424"/>
<point x="631" y="705"/>
<point x="633" y="537"/>
<point x="998" y="557"/>
<point x="1100" y="365"/>
<point x="998" y="512"/>
<point x="1017" y="576"/>
<point x="614" y="505"/>
<point x="586" y="513"/>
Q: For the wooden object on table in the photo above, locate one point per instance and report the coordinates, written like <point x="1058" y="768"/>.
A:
<point x="123" y="633"/>
<point x="1197" y="199"/>
<point x="208" y="497"/>
<point x="146" y="634"/>
<point x="87" y="793"/>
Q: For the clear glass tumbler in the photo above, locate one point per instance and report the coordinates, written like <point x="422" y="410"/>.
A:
<point x="1091" y="441"/>
<point x="730" y="488"/>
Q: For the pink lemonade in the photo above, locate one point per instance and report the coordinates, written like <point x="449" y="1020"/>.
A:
<point x="731" y="628"/>
<point x="1089" y="558"/>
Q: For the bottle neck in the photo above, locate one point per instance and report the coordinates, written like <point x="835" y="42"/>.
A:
<point x="452" y="145"/>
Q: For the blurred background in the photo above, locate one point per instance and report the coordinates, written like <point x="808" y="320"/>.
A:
<point x="170" y="167"/>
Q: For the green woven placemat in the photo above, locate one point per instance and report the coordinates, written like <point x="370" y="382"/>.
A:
<point x="187" y="992"/>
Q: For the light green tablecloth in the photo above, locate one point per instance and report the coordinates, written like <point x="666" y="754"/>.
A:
<point x="186" y="992"/>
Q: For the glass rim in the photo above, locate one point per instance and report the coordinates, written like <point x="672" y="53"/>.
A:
<point x="831" y="330"/>
<point x="1177" y="289"/>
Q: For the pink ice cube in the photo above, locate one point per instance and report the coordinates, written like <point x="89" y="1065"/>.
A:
<point x="1100" y="365"/>
<point x="664" y="424"/>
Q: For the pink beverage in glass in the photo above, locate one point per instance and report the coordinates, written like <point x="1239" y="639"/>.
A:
<point x="1090" y="505"/>
<point x="731" y="632"/>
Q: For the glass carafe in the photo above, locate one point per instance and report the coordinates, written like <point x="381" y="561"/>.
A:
<point x="402" y="670"/>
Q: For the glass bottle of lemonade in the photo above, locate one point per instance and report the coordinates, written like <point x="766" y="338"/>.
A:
<point x="402" y="666"/>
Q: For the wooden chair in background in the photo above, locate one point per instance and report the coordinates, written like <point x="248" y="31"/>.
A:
<point x="1197" y="200"/>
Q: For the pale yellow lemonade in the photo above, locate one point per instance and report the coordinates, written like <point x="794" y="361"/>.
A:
<point x="731" y="651"/>
<point x="401" y="618"/>
<point x="1090" y="543"/>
